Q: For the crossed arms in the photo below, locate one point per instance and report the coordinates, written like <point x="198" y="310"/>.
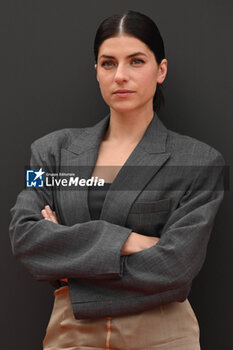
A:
<point x="94" y="250"/>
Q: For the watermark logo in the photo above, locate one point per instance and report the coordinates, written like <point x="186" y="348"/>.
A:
<point x="35" y="178"/>
<point x="177" y="178"/>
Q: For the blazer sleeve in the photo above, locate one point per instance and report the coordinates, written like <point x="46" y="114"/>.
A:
<point x="180" y="253"/>
<point x="52" y="251"/>
<point x="164" y="272"/>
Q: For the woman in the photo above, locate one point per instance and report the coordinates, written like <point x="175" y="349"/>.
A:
<point x="123" y="257"/>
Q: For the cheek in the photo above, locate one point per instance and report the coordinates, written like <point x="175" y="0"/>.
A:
<point x="104" y="80"/>
<point x="147" y="82"/>
<point x="104" y="88"/>
<point x="105" y="83"/>
<point x="105" y="91"/>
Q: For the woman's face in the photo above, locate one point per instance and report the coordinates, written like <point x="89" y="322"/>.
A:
<point x="128" y="73"/>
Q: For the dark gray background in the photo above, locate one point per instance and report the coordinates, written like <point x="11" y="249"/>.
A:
<point x="48" y="82"/>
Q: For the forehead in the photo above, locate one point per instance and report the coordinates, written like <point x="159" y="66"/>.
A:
<point x="123" y="45"/>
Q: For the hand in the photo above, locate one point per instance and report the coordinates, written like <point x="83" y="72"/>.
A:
<point x="136" y="243"/>
<point x="48" y="214"/>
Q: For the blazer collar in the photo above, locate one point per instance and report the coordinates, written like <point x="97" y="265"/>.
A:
<point x="153" y="140"/>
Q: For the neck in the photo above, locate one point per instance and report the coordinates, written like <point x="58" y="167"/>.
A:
<point x="128" y="127"/>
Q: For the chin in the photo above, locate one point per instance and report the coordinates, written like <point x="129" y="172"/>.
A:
<point x="123" y="107"/>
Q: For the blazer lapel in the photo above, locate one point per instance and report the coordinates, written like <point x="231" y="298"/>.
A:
<point x="82" y="154"/>
<point x="144" y="162"/>
<point x="80" y="158"/>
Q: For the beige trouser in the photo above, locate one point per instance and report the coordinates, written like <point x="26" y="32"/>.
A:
<point x="171" y="326"/>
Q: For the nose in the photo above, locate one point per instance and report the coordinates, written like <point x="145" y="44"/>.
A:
<point x="121" y="75"/>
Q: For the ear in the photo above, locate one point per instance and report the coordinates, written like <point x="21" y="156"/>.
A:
<point x="162" y="71"/>
<point x="95" y="66"/>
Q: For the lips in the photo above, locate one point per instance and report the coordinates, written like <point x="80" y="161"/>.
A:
<point x="123" y="93"/>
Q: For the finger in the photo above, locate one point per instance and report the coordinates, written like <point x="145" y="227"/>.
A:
<point x="51" y="215"/>
<point x="54" y="218"/>
<point x="44" y="213"/>
<point x="49" y="212"/>
<point x="47" y="207"/>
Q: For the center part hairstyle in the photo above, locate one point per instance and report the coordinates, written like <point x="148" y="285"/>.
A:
<point x="139" y="26"/>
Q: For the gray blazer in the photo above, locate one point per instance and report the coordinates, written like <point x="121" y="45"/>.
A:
<point x="171" y="187"/>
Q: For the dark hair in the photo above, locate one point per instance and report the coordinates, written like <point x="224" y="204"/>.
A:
<point x="141" y="27"/>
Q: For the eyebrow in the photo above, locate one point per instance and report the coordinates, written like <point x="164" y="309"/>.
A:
<point x="129" y="56"/>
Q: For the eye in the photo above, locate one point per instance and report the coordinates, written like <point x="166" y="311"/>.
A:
<point x="137" y="61"/>
<point x="107" y="64"/>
